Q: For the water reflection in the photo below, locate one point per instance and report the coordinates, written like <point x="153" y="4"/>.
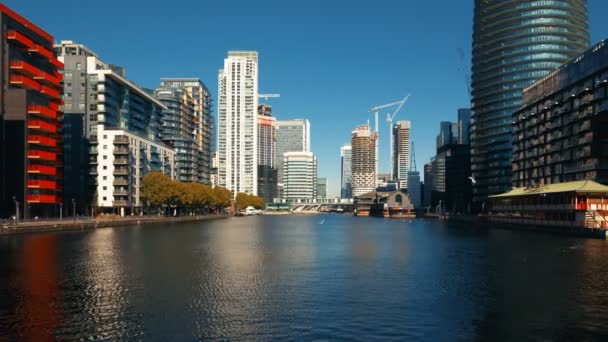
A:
<point x="309" y="278"/>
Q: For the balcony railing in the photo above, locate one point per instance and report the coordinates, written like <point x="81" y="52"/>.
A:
<point x="41" y="184"/>
<point x="43" y="199"/>
<point x="121" y="150"/>
<point x="121" y="140"/>
<point x="44" y="155"/>
<point x="120" y="182"/>
<point x="50" y="91"/>
<point x="121" y="193"/>
<point x="25" y="82"/>
<point x="43" y="169"/>
<point x="41" y="125"/>
<point x="121" y="161"/>
<point x="42" y="140"/>
<point x="121" y="203"/>
<point x="121" y="171"/>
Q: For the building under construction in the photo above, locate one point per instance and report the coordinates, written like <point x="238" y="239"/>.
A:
<point x="363" y="169"/>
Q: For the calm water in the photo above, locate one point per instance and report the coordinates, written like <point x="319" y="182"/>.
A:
<point x="282" y="278"/>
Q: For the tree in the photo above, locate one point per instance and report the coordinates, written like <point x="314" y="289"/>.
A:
<point x="154" y="188"/>
<point x="244" y="200"/>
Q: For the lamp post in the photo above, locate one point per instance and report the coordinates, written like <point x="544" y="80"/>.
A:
<point x="16" y="208"/>
<point x="74" y="207"/>
<point x="60" y="211"/>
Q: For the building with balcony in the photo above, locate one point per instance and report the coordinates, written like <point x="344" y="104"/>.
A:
<point x="203" y="121"/>
<point x="363" y="165"/>
<point x="114" y="106"/>
<point x="401" y="153"/>
<point x="561" y="132"/>
<point x="31" y="168"/>
<point x="238" y="116"/>
<point x="267" y="149"/>
<point x="178" y="130"/>
<point x="515" y="43"/>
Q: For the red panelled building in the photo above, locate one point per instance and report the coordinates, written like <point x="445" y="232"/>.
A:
<point x="30" y="128"/>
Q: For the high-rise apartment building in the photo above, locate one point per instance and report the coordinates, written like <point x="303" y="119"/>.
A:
<point x="345" y="171"/>
<point x="203" y="119"/>
<point x="514" y="44"/>
<point x="31" y="172"/>
<point x="238" y="122"/>
<point x="178" y="130"/>
<point x="300" y="176"/>
<point x="267" y="147"/>
<point x="363" y="167"/>
<point x="560" y="133"/>
<point x="401" y="152"/>
<point x="122" y="123"/>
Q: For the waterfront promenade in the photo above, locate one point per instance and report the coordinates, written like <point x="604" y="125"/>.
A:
<point x="81" y="223"/>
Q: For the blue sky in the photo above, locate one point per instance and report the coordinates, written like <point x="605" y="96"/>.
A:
<point x="329" y="60"/>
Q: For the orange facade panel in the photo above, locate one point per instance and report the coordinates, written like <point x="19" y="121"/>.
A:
<point x="24" y="81"/>
<point x="41" y="50"/>
<point x="50" y="91"/>
<point x="43" y="199"/>
<point x="42" y="155"/>
<point x="42" y="184"/>
<point x="42" y="125"/>
<point x="42" y="140"/>
<point x="20" y="38"/>
<point x="25" y="68"/>
<point x="42" y="169"/>
<point x="47" y="78"/>
<point x="43" y="111"/>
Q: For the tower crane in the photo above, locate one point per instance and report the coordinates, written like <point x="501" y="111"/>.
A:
<point x="389" y="119"/>
<point x="267" y="96"/>
<point x="376" y="110"/>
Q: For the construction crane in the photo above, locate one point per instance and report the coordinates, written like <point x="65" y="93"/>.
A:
<point x="467" y="77"/>
<point x="389" y="119"/>
<point x="376" y="110"/>
<point x="412" y="159"/>
<point x="267" y="96"/>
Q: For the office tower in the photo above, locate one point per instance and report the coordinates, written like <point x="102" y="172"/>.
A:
<point x="321" y="187"/>
<point x="428" y="183"/>
<point x="178" y="131"/>
<point x="123" y="127"/>
<point x="464" y="122"/>
<point x="238" y="116"/>
<point x="300" y="176"/>
<point x="292" y="136"/>
<point x="413" y="188"/>
<point x="514" y="44"/>
<point x="345" y="171"/>
<point x="31" y="151"/>
<point x="267" y="147"/>
<point x="401" y="153"/>
<point x="203" y="121"/>
<point x="214" y="164"/>
<point x="560" y="132"/>
<point x="445" y="135"/>
<point x="363" y="167"/>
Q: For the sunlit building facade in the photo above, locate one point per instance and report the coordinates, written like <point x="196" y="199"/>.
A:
<point x="514" y="44"/>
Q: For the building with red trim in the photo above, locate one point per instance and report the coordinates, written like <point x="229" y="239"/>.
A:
<point x="30" y="116"/>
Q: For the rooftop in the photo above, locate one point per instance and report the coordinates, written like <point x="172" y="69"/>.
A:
<point x="584" y="186"/>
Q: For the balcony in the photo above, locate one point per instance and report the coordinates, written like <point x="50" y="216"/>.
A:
<point x="121" y="171"/>
<point x="43" y="155"/>
<point x="121" y="203"/>
<point x="121" y="140"/>
<point x="24" y="82"/>
<point x="41" y="140"/>
<point x="24" y="68"/>
<point x="15" y="36"/>
<point x="42" y="51"/>
<point x="42" y="169"/>
<point x="48" y="79"/>
<point x="43" y="199"/>
<point x="121" y="161"/>
<point x="121" y="193"/>
<point x="120" y="182"/>
<point x="41" y="184"/>
<point x="121" y="150"/>
<point x="42" y="111"/>
<point x="42" y="126"/>
<point x="46" y="90"/>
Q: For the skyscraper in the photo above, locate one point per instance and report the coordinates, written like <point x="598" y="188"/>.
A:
<point x="401" y="152"/>
<point x="292" y="136"/>
<point x="300" y="176"/>
<point x="514" y="43"/>
<point x="464" y="124"/>
<point x="30" y="143"/>
<point x="203" y="122"/>
<point x="363" y="167"/>
<point x="238" y="122"/>
<point x="321" y="187"/>
<point x="345" y="171"/>
<point x="267" y="147"/>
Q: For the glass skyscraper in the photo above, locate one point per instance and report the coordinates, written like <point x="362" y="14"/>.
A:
<point x="515" y="43"/>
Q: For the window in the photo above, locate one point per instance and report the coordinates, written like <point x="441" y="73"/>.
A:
<point x="104" y="198"/>
<point x="105" y="157"/>
<point x="105" y="177"/>
<point x="105" y="167"/>
<point x="105" y="188"/>
<point x="78" y="66"/>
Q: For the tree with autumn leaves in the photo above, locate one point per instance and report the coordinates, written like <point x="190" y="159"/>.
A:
<point x="160" y="191"/>
<point x="244" y="200"/>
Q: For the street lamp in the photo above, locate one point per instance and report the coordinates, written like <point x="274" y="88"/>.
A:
<point x="74" y="207"/>
<point x="16" y="208"/>
<point x="61" y="210"/>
